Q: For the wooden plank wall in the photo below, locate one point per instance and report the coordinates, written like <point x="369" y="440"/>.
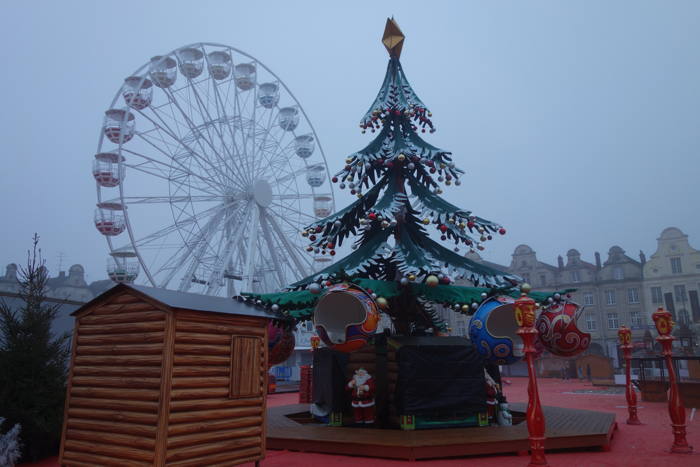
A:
<point x="114" y="387"/>
<point x="206" y="425"/>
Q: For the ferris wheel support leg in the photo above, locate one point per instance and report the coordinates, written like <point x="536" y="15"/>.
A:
<point x="291" y="252"/>
<point x="273" y="251"/>
<point x="252" y="250"/>
<point x="232" y="240"/>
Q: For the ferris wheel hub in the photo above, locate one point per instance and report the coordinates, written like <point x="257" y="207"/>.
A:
<point x="262" y="193"/>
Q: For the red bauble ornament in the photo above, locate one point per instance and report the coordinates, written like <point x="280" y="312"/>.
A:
<point x="443" y="238"/>
<point x="332" y="252"/>
<point x="372" y="216"/>
<point x="502" y="231"/>
<point x="330" y="245"/>
<point x="319" y="229"/>
<point x="445" y="280"/>
<point x="432" y="170"/>
<point x="443" y="228"/>
<point x="312" y="238"/>
<point x="335" y="179"/>
<point x="470" y="224"/>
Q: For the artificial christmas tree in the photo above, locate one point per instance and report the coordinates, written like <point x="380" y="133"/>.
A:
<point x="398" y="179"/>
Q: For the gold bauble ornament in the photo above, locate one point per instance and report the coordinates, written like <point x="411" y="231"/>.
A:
<point x="411" y="277"/>
<point x="426" y="221"/>
<point x="383" y="303"/>
<point x="432" y="281"/>
<point x="401" y="157"/>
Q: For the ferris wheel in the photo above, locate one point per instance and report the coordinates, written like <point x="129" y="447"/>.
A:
<point x="207" y="168"/>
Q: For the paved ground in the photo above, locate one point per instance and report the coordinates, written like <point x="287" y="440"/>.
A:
<point x="645" y="445"/>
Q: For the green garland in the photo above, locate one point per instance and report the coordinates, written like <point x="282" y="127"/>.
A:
<point x="299" y="304"/>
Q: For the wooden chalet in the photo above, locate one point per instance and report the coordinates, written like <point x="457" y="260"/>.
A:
<point x="159" y="377"/>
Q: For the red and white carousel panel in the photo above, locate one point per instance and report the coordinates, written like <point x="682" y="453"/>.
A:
<point x="109" y="219"/>
<point x="225" y="169"/>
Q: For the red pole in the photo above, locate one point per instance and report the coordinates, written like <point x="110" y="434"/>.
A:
<point x="625" y="336"/>
<point x="525" y="316"/>
<point x="664" y="325"/>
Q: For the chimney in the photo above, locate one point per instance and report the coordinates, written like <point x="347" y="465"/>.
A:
<point x="560" y="262"/>
<point x="642" y="257"/>
<point x="597" y="261"/>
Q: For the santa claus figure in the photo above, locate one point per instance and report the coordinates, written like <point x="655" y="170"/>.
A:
<point x="362" y="389"/>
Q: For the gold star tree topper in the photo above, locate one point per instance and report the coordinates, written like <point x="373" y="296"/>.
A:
<point x="393" y="38"/>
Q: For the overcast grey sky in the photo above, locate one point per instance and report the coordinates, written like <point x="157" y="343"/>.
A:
<point x="577" y="121"/>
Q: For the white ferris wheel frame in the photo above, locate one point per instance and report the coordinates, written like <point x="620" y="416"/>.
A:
<point x="260" y="218"/>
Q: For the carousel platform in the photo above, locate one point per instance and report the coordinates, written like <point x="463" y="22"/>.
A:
<point x="289" y="427"/>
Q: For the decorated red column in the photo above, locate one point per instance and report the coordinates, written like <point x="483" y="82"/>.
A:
<point x="664" y="325"/>
<point x="525" y="316"/>
<point x="625" y="336"/>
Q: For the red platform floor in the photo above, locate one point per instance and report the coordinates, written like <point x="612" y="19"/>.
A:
<point x="645" y="445"/>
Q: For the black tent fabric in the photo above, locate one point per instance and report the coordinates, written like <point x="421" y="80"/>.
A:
<point x="440" y="379"/>
<point x="329" y="380"/>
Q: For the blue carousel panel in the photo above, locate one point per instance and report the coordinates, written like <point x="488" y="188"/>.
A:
<point x="493" y="331"/>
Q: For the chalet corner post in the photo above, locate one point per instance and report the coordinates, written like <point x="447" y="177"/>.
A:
<point x="624" y="334"/>
<point x="663" y="321"/>
<point x="525" y="317"/>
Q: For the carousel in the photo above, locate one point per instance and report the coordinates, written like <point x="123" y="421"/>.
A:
<point x="371" y="382"/>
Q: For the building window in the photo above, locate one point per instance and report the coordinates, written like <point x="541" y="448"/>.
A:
<point x="575" y="276"/>
<point x="679" y="293"/>
<point x="618" y="274"/>
<point x="543" y="280"/>
<point x="656" y="295"/>
<point x="683" y="317"/>
<point x="613" y="322"/>
<point x="636" y="319"/>
<point x="610" y="297"/>
<point x="308" y="326"/>
<point x="588" y="298"/>
<point x="676" y="266"/>
<point x="633" y="295"/>
<point x="590" y="322"/>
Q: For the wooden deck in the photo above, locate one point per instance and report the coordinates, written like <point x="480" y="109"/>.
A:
<point x="566" y="429"/>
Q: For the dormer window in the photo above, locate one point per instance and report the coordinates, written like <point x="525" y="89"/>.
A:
<point x="575" y="276"/>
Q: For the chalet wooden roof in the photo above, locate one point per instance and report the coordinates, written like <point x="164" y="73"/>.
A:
<point x="182" y="300"/>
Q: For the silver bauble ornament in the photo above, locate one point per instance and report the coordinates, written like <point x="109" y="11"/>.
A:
<point x="314" y="288"/>
<point x="404" y="281"/>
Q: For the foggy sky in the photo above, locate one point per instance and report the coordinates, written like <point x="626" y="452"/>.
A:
<point x="577" y="122"/>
